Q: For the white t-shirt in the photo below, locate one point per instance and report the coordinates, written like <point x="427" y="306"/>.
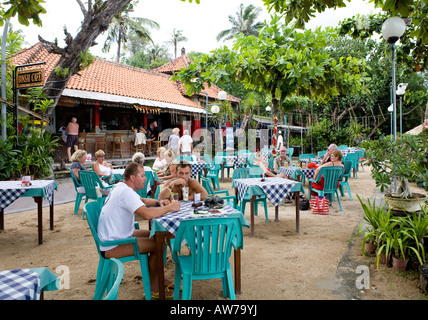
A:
<point x="280" y="142"/>
<point x="185" y="142"/>
<point x="118" y="214"/>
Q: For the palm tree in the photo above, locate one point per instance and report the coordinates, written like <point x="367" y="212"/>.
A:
<point x="122" y="25"/>
<point x="176" y="38"/>
<point x="244" y="22"/>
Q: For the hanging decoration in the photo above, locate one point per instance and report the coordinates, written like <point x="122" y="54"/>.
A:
<point x="145" y="109"/>
<point x="274" y="135"/>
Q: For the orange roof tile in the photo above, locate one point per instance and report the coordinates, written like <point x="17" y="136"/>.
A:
<point x="108" y="77"/>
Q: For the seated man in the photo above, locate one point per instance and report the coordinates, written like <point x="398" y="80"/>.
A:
<point x="281" y="160"/>
<point x="183" y="179"/>
<point x="117" y="220"/>
<point x="258" y="161"/>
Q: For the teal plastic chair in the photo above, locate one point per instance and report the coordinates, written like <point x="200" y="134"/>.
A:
<point x="270" y="164"/>
<point x="111" y="278"/>
<point x="224" y="162"/>
<point x="90" y="180"/>
<point x="184" y="158"/>
<point x="207" y="159"/>
<point x="79" y="193"/>
<point x="290" y="152"/>
<point x="342" y="147"/>
<point x="210" y="242"/>
<point x="93" y="211"/>
<point x="361" y="154"/>
<point x="230" y="199"/>
<point x="345" y="177"/>
<point x="212" y="174"/>
<point x="241" y="152"/>
<point x="331" y="175"/>
<point x="354" y="158"/>
<point x="245" y="173"/>
<point x="250" y="159"/>
<point x="307" y="156"/>
<point x="321" y="153"/>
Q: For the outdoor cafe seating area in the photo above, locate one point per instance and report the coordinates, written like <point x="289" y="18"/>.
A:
<point x="223" y="224"/>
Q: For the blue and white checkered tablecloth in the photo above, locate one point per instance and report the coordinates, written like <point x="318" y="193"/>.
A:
<point x="288" y="171"/>
<point x="171" y="221"/>
<point x="19" y="284"/>
<point x="12" y="190"/>
<point x="197" y="168"/>
<point x="275" y="188"/>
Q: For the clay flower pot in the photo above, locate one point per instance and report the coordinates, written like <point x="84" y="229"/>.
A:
<point x="399" y="264"/>
<point x="370" y="248"/>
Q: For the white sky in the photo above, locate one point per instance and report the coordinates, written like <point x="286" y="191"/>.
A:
<point x="200" y="23"/>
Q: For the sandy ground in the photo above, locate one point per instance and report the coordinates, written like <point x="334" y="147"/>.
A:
<point x="277" y="263"/>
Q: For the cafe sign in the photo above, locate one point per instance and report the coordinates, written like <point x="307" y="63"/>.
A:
<point x="29" y="78"/>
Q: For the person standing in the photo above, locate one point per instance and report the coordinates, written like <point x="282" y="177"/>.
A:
<point x="173" y="141"/>
<point x="185" y="144"/>
<point x="72" y="137"/>
<point x="280" y="142"/>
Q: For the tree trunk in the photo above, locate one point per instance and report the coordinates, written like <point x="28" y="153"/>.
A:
<point x="96" y="20"/>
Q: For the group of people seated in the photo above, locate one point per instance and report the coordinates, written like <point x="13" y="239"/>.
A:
<point x="117" y="216"/>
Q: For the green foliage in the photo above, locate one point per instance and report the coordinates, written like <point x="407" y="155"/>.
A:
<point x="401" y="159"/>
<point x="26" y="10"/>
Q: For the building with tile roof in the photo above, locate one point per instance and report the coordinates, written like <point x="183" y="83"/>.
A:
<point x="113" y="96"/>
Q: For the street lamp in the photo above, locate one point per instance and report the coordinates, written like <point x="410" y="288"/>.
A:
<point x="268" y="109"/>
<point x="400" y="92"/>
<point x="392" y="29"/>
<point x="222" y="95"/>
<point x="391" y="109"/>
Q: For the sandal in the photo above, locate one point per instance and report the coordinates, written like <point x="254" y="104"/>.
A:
<point x="287" y="201"/>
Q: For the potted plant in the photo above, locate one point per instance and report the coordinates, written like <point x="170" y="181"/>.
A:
<point x="370" y="227"/>
<point x="404" y="240"/>
<point x="385" y="237"/>
<point x="401" y="161"/>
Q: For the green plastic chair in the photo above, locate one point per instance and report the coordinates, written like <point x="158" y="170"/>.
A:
<point x="79" y="194"/>
<point x="93" y="211"/>
<point x="207" y="159"/>
<point x="321" y="153"/>
<point x="354" y="158"/>
<point x="270" y="164"/>
<point x="225" y="165"/>
<point x="210" y="242"/>
<point x="184" y="158"/>
<point x="230" y="199"/>
<point x="361" y="154"/>
<point x="90" y="180"/>
<point x="212" y="174"/>
<point x="342" y="147"/>
<point x="111" y="278"/>
<point x="331" y="175"/>
<point x="308" y="156"/>
<point x="290" y="152"/>
<point x="245" y="173"/>
<point x="345" y="177"/>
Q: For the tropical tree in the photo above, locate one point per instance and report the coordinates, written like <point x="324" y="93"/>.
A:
<point x="415" y="12"/>
<point x="176" y="38"/>
<point x="281" y="61"/>
<point x="122" y="25"/>
<point x="243" y="22"/>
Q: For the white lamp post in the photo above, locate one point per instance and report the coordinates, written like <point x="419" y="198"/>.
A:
<point x="222" y="95"/>
<point x="268" y="109"/>
<point x="391" y="109"/>
<point x="400" y="92"/>
<point x="392" y="29"/>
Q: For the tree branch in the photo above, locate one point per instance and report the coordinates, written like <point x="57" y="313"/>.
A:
<point x="82" y="7"/>
<point x="51" y="47"/>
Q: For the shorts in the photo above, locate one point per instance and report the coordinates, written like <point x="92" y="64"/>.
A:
<point x="72" y="140"/>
